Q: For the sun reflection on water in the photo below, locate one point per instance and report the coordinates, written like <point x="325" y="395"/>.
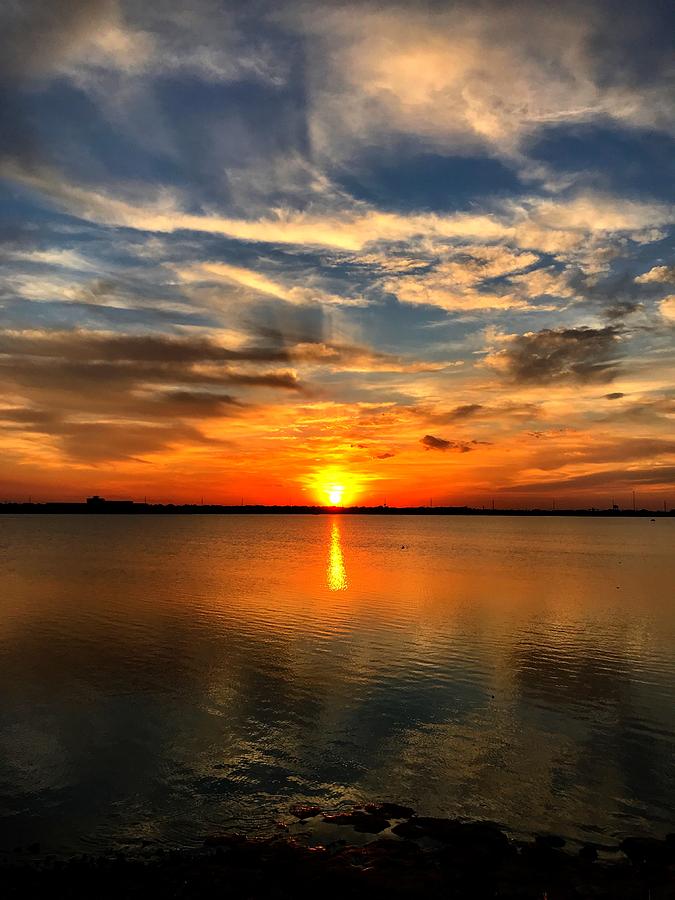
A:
<point x="336" y="574"/>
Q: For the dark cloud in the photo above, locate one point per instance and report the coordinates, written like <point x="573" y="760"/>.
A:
<point x="645" y="411"/>
<point x="146" y="348"/>
<point x="574" y="354"/>
<point x="105" y="441"/>
<point x="36" y="419"/>
<point x="435" y="443"/>
<point x="96" y="442"/>
<point x="155" y="349"/>
<point x="628" y="450"/>
<point x="142" y="391"/>
<point x="102" y="396"/>
<point x="615" y="395"/>
<point x="620" y="311"/>
<point x="500" y="411"/>
<point x="36" y="35"/>
<point x="466" y="411"/>
<point x="609" y="479"/>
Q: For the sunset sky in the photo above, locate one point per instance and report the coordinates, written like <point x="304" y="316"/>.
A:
<point x="415" y="250"/>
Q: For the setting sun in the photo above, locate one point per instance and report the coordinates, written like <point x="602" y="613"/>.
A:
<point x="335" y="493"/>
<point x="334" y="486"/>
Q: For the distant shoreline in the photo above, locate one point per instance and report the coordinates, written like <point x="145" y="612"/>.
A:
<point x="129" y="507"/>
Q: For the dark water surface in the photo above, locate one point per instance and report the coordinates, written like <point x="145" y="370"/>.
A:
<point x="165" y="677"/>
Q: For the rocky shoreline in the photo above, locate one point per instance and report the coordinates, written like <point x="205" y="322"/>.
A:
<point x="386" y="851"/>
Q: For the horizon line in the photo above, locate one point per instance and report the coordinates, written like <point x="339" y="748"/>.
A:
<point x="99" y="505"/>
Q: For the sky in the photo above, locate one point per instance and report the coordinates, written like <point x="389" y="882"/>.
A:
<point x="268" y="251"/>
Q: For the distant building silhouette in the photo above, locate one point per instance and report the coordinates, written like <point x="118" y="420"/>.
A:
<point x="104" y="505"/>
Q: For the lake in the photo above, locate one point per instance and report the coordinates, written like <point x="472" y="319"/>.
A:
<point x="167" y="677"/>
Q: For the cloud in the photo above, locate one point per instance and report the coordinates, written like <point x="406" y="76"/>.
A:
<point x="81" y="39"/>
<point x="627" y="449"/>
<point x="465" y="411"/>
<point x="94" y="443"/>
<point x="615" y="395"/>
<point x="146" y="348"/>
<point x="564" y="354"/>
<point x="646" y="412"/>
<point x="262" y="284"/>
<point x="543" y="282"/>
<point x="159" y="210"/>
<point x="667" y="308"/>
<point x="157" y="353"/>
<point x="39" y="36"/>
<point x="468" y="76"/>
<point x="621" y="310"/>
<point x="106" y="396"/>
<point x="430" y="442"/>
<point x="575" y="224"/>
<point x="147" y="381"/>
<point x="461" y="281"/>
<point x="508" y="411"/>
<point x="605" y="480"/>
<point x="657" y="275"/>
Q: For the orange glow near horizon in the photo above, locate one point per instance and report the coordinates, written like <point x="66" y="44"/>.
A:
<point x="335" y="487"/>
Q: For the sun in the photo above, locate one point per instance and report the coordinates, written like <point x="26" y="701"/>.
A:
<point x="335" y="493"/>
<point x="334" y="486"/>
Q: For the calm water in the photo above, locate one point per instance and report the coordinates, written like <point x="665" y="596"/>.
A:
<point x="162" y="678"/>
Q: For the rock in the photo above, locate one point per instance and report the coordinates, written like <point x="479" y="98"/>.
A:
<point x="588" y="853"/>
<point x="224" y="840"/>
<point x="409" y="830"/>
<point x="360" y="821"/>
<point x="438" y="829"/>
<point x="645" y="851"/>
<point x="390" y="810"/>
<point x="371" y="824"/>
<point x="305" y="812"/>
<point x="554" y="841"/>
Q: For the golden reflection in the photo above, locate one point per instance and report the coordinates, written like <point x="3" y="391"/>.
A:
<point x="336" y="574"/>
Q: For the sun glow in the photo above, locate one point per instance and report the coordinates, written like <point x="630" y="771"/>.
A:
<point x="335" y="493"/>
<point x="335" y="486"/>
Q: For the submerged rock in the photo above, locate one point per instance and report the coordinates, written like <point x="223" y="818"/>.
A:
<point x="553" y="841"/>
<point x="588" y="853"/>
<point x="439" y="859"/>
<point x="390" y="810"/>
<point x="305" y="812"/>
<point x="224" y="840"/>
<point x="359" y="820"/>
<point x="645" y="851"/>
